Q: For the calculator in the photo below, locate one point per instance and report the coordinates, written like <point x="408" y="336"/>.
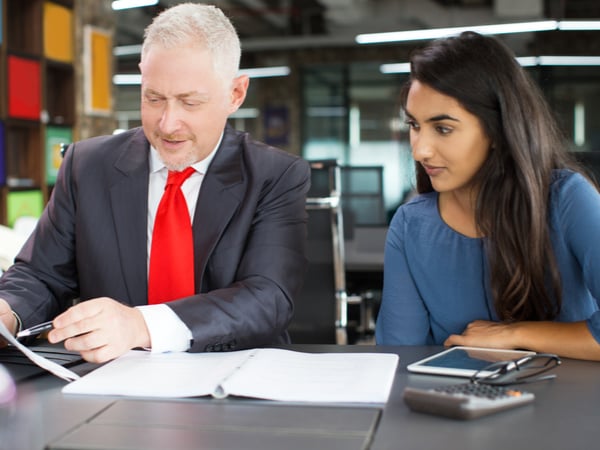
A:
<point x="465" y="400"/>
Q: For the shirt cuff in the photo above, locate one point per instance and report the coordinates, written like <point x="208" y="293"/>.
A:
<point x="19" y="323"/>
<point x="167" y="331"/>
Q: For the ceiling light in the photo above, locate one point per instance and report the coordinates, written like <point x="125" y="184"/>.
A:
<point x="127" y="50"/>
<point x="434" y="33"/>
<point x="579" y="25"/>
<point x="124" y="79"/>
<point x="128" y="79"/>
<point x="527" y="61"/>
<point x="395" y="68"/>
<point x="264" y="72"/>
<point x="505" y="28"/>
<point x="524" y="61"/>
<point x="569" y="60"/>
<point x="126" y="4"/>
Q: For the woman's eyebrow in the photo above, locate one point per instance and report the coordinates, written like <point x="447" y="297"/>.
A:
<point x="442" y="117"/>
<point x="435" y="118"/>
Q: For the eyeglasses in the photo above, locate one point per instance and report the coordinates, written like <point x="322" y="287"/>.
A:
<point x="518" y="371"/>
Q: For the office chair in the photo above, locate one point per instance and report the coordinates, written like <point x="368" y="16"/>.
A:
<point x="590" y="160"/>
<point x="321" y="310"/>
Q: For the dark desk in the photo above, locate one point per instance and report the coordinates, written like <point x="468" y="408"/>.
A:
<point x="565" y="415"/>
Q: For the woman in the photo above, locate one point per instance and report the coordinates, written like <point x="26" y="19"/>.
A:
<point x="501" y="248"/>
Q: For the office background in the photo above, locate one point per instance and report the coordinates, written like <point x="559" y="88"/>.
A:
<point x="68" y="71"/>
<point x="331" y="98"/>
<point x="332" y="103"/>
<point x="336" y="102"/>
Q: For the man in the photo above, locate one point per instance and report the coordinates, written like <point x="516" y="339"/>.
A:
<point x="246" y="201"/>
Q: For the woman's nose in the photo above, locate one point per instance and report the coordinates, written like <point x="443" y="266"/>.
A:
<point x="422" y="147"/>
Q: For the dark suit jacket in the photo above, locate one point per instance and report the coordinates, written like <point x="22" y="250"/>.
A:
<point x="249" y="238"/>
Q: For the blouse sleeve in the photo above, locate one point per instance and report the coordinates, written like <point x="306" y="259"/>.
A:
<point x="579" y="210"/>
<point x="403" y="318"/>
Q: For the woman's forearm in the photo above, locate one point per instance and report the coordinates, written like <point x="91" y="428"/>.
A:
<point x="568" y="339"/>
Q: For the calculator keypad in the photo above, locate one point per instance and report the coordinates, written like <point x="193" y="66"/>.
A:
<point x="466" y="400"/>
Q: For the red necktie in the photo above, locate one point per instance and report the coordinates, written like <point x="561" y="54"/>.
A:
<point x="172" y="254"/>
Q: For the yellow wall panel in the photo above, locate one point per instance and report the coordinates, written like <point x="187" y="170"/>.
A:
<point x="58" y="32"/>
<point x="98" y="70"/>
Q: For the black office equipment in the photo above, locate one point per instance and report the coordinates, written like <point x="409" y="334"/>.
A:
<point x="21" y="367"/>
<point x="362" y="196"/>
<point x="320" y="313"/>
<point x="591" y="162"/>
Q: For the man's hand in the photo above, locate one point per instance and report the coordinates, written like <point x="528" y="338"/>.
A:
<point x="8" y="319"/>
<point x="100" y="329"/>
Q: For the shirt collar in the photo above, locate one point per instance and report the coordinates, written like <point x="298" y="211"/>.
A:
<point x="201" y="166"/>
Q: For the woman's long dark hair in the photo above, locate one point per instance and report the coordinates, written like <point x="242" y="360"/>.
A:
<point x="514" y="182"/>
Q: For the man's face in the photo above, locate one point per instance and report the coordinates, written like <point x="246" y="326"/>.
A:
<point x="185" y="104"/>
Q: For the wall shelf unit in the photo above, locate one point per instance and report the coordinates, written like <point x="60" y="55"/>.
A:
<point x="37" y="100"/>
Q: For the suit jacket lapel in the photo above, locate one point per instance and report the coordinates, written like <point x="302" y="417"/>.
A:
<point x="221" y="193"/>
<point x="129" y="201"/>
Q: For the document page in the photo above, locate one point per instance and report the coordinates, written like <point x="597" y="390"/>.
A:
<point x="271" y="374"/>
<point x="44" y="363"/>
<point x="145" y="374"/>
<point x="285" y="375"/>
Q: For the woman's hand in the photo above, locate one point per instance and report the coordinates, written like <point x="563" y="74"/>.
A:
<point x="483" y="333"/>
<point x="567" y="339"/>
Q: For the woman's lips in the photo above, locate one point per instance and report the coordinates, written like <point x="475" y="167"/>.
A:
<point x="432" y="171"/>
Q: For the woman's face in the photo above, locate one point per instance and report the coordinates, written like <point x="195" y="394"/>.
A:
<point x="447" y="140"/>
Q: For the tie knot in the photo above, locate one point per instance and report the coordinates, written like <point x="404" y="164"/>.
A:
<point x="177" y="178"/>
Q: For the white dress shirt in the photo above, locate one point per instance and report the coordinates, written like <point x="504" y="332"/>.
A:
<point x="168" y="333"/>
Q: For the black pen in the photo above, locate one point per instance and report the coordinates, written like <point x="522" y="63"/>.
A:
<point x="37" y="329"/>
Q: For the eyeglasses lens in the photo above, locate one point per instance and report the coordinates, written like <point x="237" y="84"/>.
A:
<point x="512" y="372"/>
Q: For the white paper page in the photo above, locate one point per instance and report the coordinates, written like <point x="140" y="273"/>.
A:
<point x="44" y="363"/>
<point x="286" y="375"/>
<point x="144" y="374"/>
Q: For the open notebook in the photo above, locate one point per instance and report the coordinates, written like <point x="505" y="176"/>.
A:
<point x="263" y="373"/>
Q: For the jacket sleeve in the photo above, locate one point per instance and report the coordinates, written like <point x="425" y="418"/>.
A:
<point x="43" y="280"/>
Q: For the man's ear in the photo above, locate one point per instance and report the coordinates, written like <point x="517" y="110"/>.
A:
<point x="238" y="92"/>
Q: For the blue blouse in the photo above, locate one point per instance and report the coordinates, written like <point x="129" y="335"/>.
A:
<point x="436" y="281"/>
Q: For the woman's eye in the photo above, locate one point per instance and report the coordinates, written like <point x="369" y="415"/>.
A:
<point x="443" y="130"/>
<point x="412" y="124"/>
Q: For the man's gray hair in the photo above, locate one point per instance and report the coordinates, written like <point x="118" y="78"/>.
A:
<point x="204" y="26"/>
